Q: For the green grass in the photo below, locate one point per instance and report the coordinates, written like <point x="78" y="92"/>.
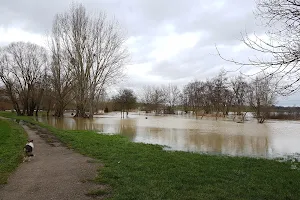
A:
<point x="12" y="140"/>
<point x="142" y="171"/>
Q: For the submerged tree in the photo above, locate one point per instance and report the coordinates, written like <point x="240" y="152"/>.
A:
<point x="261" y="97"/>
<point x="94" y="48"/>
<point x="61" y="81"/>
<point x="222" y="97"/>
<point x="125" y="101"/>
<point x="240" y="90"/>
<point x="154" y="98"/>
<point x="172" y="97"/>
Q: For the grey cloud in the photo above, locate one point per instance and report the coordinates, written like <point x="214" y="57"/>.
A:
<point x="139" y="17"/>
<point x="291" y="100"/>
<point x="224" y="25"/>
<point x="201" y="62"/>
<point x="34" y="16"/>
<point x="37" y="16"/>
<point x="146" y="20"/>
<point x="141" y="50"/>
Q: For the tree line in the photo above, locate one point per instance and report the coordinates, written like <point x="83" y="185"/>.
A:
<point x="215" y="97"/>
<point x="85" y="54"/>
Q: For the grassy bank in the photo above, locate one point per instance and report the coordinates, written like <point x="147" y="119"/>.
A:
<point x="12" y="140"/>
<point x="140" y="171"/>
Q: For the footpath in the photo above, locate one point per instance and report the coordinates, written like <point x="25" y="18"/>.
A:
<point x="55" y="172"/>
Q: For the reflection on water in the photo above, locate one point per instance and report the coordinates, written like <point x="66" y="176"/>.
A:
<point x="272" y="139"/>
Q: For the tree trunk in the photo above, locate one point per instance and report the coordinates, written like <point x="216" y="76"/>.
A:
<point x="49" y="107"/>
<point x="37" y="110"/>
<point x="59" y="111"/>
<point x="17" y="108"/>
<point x="31" y="108"/>
<point x="25" y="107"/>
<point x="91" y="111"/>
<point x="38" y="101"/>
<point x="243" y="116"/>
<point x="80" y="111"/>
<point x="30" y="112"/>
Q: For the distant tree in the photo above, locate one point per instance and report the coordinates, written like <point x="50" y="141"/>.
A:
<point x="221" y="95"/>
<point x="100" y="100"/>
<point x="208" y="97"/>
<point x="262" y="96"/>
<point x="48" y="101"/>
<point x="186" y="98"/>
<point x="154" y="98"/>
<point x="5" y="103"/>
<point x="125" y="100"/>
<point x="106" y="109"/>
<point x="240" y="89"/>
<point x="195" y="96"/>
<point x="172" y="97"/>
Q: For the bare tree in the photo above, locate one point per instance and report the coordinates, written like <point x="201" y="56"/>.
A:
<point x="193" y="97"/>
<point x="154" y="98"/>
<point x="95" y="50"/>
<point x="282" y="19"/>
<point x="5" y="102"/>
<point x="184" y="100"/>
<point x="208" y="97"/>
<point x="48" y="101"/>
<point x="38" y="92"/>
<point x="172" y="97"/>
<point x="23" y="70"/>
<point x="221" y="95"/>
<point x="61" y="79"/>
<point x="261" y="97"/>
<point x="187" y="98"/>
<point x="240" y="90"/>
<point x="125" y="101"/>
<point x="199" y="96"/>
<point x="100" y="100"/>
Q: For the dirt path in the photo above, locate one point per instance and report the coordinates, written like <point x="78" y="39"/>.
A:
<point x="55" y="172"/>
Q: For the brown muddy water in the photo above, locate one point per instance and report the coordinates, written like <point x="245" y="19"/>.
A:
<point x="185" y="133"/>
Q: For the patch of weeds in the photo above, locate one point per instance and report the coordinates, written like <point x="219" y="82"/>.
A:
<point x="97" y="192"/>
<point x="93" y="161"/>
<point x="293" y="160"/>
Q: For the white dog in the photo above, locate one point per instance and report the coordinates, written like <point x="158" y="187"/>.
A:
<point x="28" y="149"/>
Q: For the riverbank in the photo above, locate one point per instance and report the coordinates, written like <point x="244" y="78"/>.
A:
<point x="12" y="140"/>
<point x="143" y="171"/>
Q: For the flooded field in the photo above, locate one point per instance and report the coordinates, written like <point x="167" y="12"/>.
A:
<point x="185" y="133"/>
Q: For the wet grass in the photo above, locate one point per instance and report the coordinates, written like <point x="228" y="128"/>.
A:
<point x="144" y="171"/>
<point x="12" y="140"/>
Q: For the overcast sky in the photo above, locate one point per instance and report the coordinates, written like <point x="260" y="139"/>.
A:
<point x="170" y="41"/>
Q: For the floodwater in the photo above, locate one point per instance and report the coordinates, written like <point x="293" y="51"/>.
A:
<point x="185" y="133"/>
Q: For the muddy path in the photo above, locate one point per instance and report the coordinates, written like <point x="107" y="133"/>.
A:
<point x="55" y="172"/>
